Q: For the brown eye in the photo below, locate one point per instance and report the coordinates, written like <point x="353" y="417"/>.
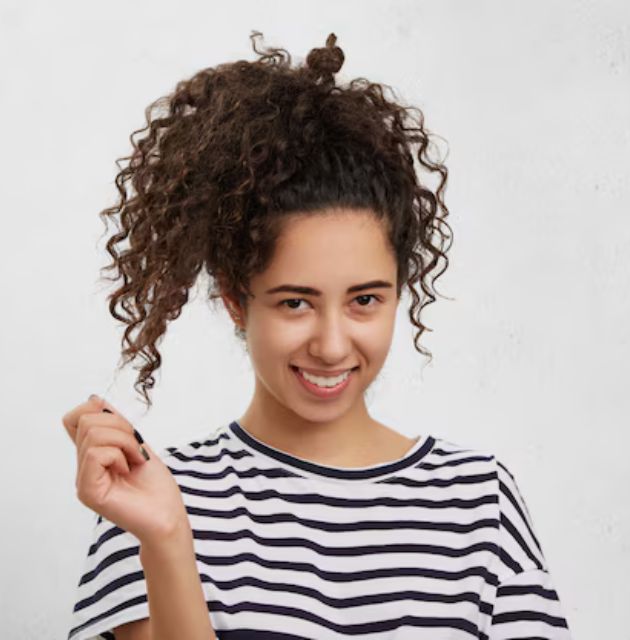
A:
<point x="368" y="296"/>
<point x="298" y="300"/>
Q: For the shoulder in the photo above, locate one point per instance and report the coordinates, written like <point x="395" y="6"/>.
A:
<point x="469" y="460"/>
<point x="205" y="444"/>
<point x="518" y="547"/>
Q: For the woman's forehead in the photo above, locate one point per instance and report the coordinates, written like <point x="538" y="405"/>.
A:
<point x="320" y="260"/>
<point x="341" y="232"/>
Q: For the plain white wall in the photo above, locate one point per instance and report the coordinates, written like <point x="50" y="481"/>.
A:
<point x="530" y="356"/>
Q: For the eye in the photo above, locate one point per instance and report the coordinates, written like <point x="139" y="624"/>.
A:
<point x="367" y="296"/>
<point x="282" y="303"/>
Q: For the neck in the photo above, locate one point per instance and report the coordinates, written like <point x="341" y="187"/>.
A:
<point x="340" y="441"/>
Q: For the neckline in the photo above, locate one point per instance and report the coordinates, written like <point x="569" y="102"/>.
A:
<point x="419" y="450"/>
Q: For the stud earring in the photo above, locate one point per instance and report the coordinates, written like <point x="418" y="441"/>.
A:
<point x="238" y="317"/>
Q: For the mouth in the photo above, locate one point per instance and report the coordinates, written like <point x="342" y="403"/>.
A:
<point x="320" y="391"/>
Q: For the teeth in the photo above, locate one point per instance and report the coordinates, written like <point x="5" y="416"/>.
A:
<point x="324" y="382"/>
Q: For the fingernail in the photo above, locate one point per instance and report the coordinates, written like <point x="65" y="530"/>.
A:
<point x="139" y="438"/>
<point x="144" y="453"/>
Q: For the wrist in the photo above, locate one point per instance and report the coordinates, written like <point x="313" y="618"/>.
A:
<point x="173" y="537"/>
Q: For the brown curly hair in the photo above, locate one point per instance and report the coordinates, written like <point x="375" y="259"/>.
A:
<point x="239" y="147"/>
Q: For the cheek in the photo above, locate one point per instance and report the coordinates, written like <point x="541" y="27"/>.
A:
<point x="376" y="340"/>
<point x="270" y="341"/>
<point x="283" y="334"/>
<point x="374" y="349"/>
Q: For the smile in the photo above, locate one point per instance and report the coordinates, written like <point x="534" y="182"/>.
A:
<point x="323" y="387"/>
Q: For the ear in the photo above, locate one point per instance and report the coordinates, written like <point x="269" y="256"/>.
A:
<point x="233" y="308"/>
<point x="231" y="303"/>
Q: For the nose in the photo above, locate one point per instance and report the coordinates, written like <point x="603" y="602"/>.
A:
<point x="330" y="341"/>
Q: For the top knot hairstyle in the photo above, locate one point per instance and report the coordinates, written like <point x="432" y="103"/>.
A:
<point x="230" y="153"/>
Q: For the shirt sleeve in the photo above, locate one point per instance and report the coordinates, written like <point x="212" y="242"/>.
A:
<point x="112" y="589"/>
<point x="526" y="604"/>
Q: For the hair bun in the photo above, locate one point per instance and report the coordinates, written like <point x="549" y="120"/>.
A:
<point x="326" y="61"/>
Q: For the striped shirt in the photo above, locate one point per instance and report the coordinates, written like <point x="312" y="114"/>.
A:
<point x="437" y="545"/>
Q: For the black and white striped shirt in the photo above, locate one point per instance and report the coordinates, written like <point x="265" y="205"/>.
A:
<point x="436" y="545"/>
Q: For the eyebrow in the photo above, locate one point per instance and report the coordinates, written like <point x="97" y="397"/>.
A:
<point x="309" y="291"/>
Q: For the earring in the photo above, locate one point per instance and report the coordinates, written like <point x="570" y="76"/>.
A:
<point x="234" y="312"/>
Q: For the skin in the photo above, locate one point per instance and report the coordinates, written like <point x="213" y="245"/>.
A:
<point x="329" y="251"/>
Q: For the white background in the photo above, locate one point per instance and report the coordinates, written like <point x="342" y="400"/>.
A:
<point x="530" y="355"/>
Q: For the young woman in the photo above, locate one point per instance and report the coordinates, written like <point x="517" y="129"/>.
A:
<point x="305" y="517"/>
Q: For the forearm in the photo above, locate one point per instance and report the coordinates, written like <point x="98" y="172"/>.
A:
<point x="177" y="605"/>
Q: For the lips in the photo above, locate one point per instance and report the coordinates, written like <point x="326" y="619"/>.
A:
<point x="324" y="374"/>
<point x="323" y="393"/>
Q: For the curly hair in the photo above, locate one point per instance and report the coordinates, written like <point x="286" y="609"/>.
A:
<point x="238" y="148"/>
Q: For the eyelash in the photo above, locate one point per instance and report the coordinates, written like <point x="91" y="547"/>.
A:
<point x="365" y="295"/>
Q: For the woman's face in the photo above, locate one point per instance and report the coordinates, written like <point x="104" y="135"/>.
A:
<point x="328" y="328"/>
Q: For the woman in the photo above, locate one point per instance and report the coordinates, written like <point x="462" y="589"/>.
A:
<point x="305" y="517"/>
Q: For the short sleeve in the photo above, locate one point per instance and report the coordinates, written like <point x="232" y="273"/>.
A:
<point x="526" y="603"/>
<point x="112" y="589"/>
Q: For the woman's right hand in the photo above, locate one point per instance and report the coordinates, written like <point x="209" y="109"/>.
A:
<point x="115" y="480"/>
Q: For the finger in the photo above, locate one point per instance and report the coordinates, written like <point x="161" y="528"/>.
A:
<point x="97" y="464"/>
<point x="90" y="420"/>
<point x="71" y="418"/>
<point x="94" y="404"/>
<point x="128" y="425"/>
<point x="98" y="436"/>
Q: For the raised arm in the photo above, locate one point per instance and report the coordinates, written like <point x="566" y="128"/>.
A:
<point x="134" y="489"/>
